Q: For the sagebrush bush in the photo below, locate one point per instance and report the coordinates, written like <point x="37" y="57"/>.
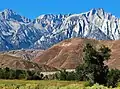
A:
<point x="113" y="77"/>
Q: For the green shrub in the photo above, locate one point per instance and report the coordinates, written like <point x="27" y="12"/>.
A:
<point x="113" y="77"/>
<point x="64" y="75"/>
<point x="71" y="76"/>
<point x="97" y="86"/>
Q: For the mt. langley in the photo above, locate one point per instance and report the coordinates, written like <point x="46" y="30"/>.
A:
<point x="17" y="32"/>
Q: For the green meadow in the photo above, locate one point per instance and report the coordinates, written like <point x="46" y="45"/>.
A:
<point x="47" y="84"/>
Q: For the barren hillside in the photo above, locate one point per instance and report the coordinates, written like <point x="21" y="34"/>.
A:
<point x="68" y="54"/>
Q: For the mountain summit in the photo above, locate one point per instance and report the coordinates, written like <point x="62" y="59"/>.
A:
<point x="18" y="32"/>
<point x="9" y="14"/>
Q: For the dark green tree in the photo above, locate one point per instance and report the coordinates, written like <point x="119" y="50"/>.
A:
<point x="71" y="76"/>
<point x="93" y="67"/>
<point x="63" y="75"/>
<point x="12" y="74"/>
<point x="7" y="73"/>
<point x="81" y="73"/>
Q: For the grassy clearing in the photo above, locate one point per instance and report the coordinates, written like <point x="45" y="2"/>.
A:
<point x="48" y="84"/>
<point x="41" y="84"/>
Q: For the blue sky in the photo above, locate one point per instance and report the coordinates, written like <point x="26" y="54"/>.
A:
<point x="34" y="8"/>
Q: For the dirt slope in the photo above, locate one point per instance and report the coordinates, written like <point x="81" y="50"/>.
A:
<point x="13" y="62"/>
<point x="68" y="54"/>
<point x="28" y="54"/>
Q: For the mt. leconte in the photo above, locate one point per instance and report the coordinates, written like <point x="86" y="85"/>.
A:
<point x="18" y="32"/>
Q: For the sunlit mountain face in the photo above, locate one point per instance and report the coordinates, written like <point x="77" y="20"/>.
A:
<point x="19" y="32"/>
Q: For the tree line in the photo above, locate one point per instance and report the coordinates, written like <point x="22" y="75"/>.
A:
<point x="7" y="73"/>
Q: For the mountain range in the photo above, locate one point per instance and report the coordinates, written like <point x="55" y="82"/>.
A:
<point x="19" y="32"/>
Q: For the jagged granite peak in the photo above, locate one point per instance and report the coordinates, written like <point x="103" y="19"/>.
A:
<point x="9" y="14"/>
<point x="15" y="31"/>
<point x="18" y="32"/>
<point x="96" y="24"/>
<point x="49" y="22"/>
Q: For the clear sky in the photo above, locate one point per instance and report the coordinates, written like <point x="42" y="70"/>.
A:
<point x="34" y="8"/>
